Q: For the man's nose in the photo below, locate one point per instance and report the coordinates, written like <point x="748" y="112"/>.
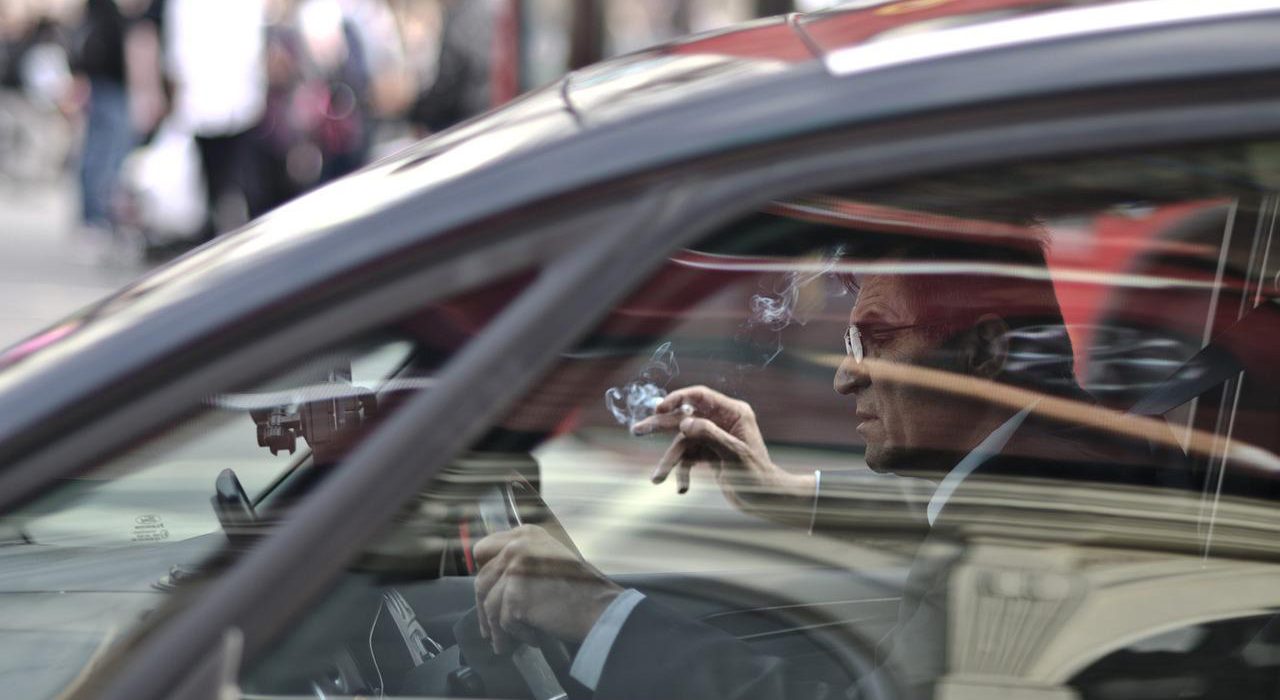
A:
<point x="851" y="376"/>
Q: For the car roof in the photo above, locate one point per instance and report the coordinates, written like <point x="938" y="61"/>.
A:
<point x="681" y="100"/>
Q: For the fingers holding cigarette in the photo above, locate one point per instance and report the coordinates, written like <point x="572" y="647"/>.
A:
<point x="665" y="417"/>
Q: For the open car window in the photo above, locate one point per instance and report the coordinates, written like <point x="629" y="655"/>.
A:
<point x="1032" y="409"/>
<point x="93" y="559"/>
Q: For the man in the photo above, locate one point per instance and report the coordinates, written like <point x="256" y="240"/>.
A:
<point x="108" y="133"/>
<point x="905" y="331"/>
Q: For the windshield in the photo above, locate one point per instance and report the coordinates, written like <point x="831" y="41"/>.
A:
<point x="83" y="565"/>
<point x="160" y="491"/>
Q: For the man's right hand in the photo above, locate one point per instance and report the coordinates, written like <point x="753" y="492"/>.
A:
<point x="722" y="434"/>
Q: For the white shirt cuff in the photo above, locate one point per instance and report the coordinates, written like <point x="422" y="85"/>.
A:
<point x="817" y="488"/>
<point x="589" y="663"/>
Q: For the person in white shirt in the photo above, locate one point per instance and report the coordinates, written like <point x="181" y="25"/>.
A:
<point x="215" y="57"/>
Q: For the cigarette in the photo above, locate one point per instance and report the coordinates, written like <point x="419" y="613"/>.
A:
<point x="685" y="408"/>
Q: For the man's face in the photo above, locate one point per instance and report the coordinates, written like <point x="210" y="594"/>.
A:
<point x="902" y="424"/>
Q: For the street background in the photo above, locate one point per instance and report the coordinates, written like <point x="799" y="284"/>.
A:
<point x="42" y="279"/>
<point x="89" y="201"/>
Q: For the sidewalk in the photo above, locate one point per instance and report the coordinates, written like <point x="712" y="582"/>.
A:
<point x="43" y="277"/>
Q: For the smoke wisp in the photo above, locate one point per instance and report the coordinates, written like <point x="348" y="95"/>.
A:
<point x="773" y="312"/>
<point x="637" y="399"/>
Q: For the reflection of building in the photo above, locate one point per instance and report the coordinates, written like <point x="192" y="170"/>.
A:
<point x="1052" y="581"/>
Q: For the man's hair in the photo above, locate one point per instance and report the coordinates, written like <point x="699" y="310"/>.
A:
<point x="958" y="282"/>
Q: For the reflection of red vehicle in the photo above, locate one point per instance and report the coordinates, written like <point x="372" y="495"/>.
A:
<point x="1134" y="288"/>
<point x="802" y="38"/>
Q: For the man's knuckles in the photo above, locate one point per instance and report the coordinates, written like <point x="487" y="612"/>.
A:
<point x="492" y="609"/>
<point x="502" y="544"/>
<point x="704" y="430"/>
<point x="515" y="610"/>
<point x="491" y="546"/>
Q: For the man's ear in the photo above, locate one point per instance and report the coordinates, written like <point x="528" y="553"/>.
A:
<point x="989" y="350"/>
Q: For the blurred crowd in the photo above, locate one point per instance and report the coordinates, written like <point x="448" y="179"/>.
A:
<point x="183" y="119"/>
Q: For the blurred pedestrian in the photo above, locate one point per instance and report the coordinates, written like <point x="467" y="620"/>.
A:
<point x="316" y="123"/>
<point x="215" y="54"/>
<point x="288" y="162"/>
<point x="144" y="64"/>
<point x="36" y="99"/>
<point x="340" y="92"/>
<point x="99" y="64"/>
<point x="461" y="88"/>
<point x="379" y="33"/>
<point x="37" y="64"/>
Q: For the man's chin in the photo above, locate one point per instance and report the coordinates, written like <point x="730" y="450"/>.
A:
<point x="878" y="459"/>
<point x="930" y="464"/>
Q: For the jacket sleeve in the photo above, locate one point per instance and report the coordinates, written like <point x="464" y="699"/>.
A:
<point x="661" y="654"/>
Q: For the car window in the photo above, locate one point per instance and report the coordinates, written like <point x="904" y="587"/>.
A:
<point x="1007" y="428"/>
<point x="88" y="562"/>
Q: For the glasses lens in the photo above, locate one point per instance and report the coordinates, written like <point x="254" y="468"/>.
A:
<point x="853" y="343"/>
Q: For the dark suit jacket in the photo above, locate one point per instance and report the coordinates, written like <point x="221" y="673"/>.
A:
<point x="662" y="654"/>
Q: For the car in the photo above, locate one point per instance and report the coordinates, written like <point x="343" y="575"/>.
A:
<point x="261" y="470"/>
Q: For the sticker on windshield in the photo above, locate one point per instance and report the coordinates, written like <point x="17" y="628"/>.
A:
<point x="149" y="527"/>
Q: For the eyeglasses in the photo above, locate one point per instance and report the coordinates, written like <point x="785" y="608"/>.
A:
<point x="853" y="337"/>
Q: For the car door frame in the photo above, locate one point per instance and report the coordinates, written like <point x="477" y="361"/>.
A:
<point x="278" y="579"/>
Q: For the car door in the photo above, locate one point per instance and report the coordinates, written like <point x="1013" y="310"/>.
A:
<point x="1031" y="556"/>
<point x="274" y="581"/>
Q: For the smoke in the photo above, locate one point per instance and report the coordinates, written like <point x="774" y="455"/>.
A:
<point x="773" y="312"/>
<point x="637" y="399"/>
<point x="790" y="300"/>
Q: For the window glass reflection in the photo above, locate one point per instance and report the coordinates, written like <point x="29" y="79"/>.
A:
<point x="102" y="555"/>
<point x="1003" y="431"/>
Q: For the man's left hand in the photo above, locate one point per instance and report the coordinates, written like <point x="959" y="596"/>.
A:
<point x="528" y="580"/>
